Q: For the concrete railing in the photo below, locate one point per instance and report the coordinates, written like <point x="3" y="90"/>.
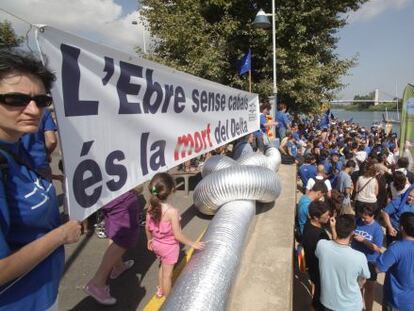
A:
<point x="265" y="278"/>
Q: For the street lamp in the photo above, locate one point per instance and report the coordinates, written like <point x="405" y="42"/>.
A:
<point x="262" y="21"/>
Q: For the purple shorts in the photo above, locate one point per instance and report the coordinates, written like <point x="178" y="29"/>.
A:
<point x="121" y="220"/>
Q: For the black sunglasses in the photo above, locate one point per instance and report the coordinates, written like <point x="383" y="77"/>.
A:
<point x="21" y="100"/>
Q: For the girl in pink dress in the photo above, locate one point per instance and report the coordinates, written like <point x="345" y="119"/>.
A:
<point x="164" y="231"/>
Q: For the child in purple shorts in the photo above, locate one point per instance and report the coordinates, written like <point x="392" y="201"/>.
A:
<point x="121" y="228"/>
<point x="164" y="231"/>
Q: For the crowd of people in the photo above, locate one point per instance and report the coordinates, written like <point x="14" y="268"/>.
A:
<point x="355" y="217"/>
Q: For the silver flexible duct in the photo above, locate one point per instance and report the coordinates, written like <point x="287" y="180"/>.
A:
<point x="206" y="280"/>
<point x="230" y="189"/>
<point x="216" y="163"/>
<point x="236" y="183"/>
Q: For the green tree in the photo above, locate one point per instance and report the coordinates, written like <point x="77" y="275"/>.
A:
<point x="208" y="37"/>
<point x="8" y="37"/>
<point x="365" y="105"/>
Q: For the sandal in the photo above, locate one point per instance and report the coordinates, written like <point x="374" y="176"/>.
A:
<point x="159" y="293"/>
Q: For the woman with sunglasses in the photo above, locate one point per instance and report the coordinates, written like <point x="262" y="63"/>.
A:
<point x="31" y="236"/>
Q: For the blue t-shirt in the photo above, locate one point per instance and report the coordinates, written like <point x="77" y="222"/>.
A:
<point x="263" y="121"/>
<point x="339" y="268"/>
<point x="28" y="211"/>
<point x="332" y="170"/>
<point x="282" y="119"/>
<point x="395" y="209"/>
<point x="34" y="143"/>
<point x="398" y="262"/>
<point x="307" y="171"/>
<point x="371" y="232"/>
<point x="292" y="148"/>
<point x="241" y="148"/>
<point x="303" y="211"/>
<point x="344" y="181"/>
<point x="296" y="135"/>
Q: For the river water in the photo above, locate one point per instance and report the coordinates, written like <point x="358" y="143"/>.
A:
<point x="364" y="118"/>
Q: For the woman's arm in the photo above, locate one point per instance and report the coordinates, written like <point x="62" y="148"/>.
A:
<point x="30" y="255"/>
<point x="148" y="232"/>
<point x="178" y="234"/>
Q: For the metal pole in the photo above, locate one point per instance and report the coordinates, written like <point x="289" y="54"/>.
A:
<point x="274" y="62"/>
<point x="143" y="38"/>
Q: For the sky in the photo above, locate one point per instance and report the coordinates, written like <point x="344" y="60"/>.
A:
<point x="379" y="34"/>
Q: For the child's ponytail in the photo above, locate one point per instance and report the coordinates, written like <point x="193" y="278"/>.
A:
<point x="160" y="187"/>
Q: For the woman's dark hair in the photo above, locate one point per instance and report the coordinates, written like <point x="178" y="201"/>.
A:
<point x="335" y="202"/>
<point x="160" y="187"/>
<point x="345" y="224"/>
<point x="370" y="171"/>
<point x="17" y="61"/>
<point x="399" y="180"/>
<point x="407" y="223"/>
<point x="264" y="106"/>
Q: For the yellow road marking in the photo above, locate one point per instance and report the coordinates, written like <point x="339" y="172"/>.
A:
<point x="155" y="303"/>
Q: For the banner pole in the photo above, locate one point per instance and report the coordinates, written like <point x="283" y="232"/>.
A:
<point x="250" y="81"/>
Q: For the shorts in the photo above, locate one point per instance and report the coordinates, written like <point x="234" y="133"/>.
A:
<point x="372" y="271"/>
<point x="121" y="220"/>
<point x="166" y="253"/>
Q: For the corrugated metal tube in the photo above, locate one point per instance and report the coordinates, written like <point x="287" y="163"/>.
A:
<point x="229" y="190"/>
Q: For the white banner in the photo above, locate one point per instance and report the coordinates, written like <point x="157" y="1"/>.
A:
<point x="122" y="119"/>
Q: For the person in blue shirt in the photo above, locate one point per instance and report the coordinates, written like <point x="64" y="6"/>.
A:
<point x="344" y="183"/>
<point x="41" y="144"/>
<point x="333" y="167"/>
<point x="398" y="263"/>
<point x="393" y="211"/>
<point x="295" y="132"/>
<point x="308" y="169"/>
<point x="368" y="239"/>
<point x="292" y="148"/>
<point x="31" y="235"/>
<point x="342" y="269"/>
<point x="315" y="194"/>
<point x="243" y="146"/>
<point x="283" y="122"/>
<point x="261" y="135"/>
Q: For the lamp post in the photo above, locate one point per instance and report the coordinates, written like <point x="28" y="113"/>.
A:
<point x="262" y="21"/>
<point x="143" y="36"/>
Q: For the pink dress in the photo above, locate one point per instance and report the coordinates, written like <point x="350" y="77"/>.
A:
<point x="164" y="244"/>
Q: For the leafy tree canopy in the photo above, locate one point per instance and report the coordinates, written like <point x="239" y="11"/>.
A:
<point x="208" y="37"/>
<point x="8" y="38"/>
